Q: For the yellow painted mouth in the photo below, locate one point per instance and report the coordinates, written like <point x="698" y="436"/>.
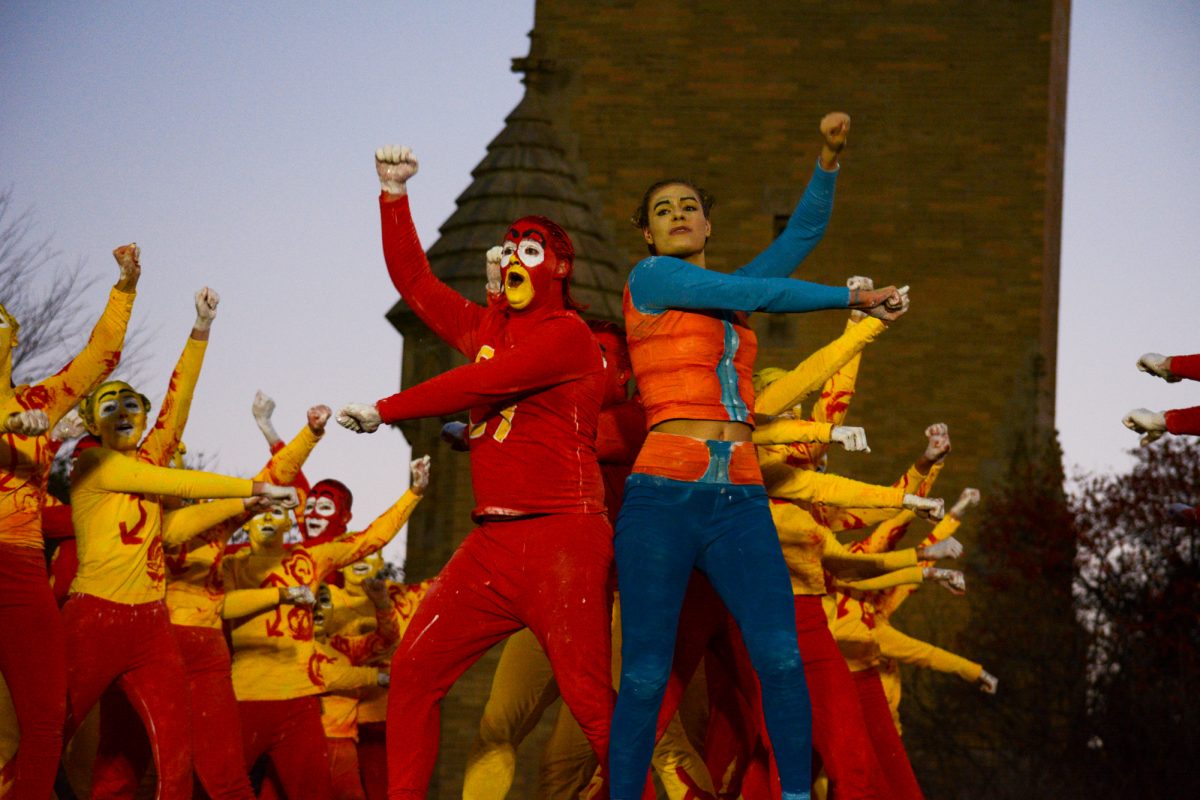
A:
<point x="518" y="288"/>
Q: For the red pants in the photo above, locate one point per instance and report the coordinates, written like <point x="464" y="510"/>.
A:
<point x="131" y="646"/>
<point x="840" y="733"/>
<point x="289" y="732"/>
<point x="549" y="574"/>
<point x="33" y="661"/>
<point x="343" y="770"/>
<point x="372" y="759"/>
<point x="889" y="750"/>
<point x="124" y="750"/>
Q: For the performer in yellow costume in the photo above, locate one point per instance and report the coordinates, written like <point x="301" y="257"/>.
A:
<point x="277" y="672"/>
<point x="197" y="603"/>
<point x="116" y="618"/>
<point x="32" y="654"/>
<point x="896" y="647"/>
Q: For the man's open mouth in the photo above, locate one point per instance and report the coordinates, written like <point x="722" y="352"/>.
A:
<point x="515" y="279"/>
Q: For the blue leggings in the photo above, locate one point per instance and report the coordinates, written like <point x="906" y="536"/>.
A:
<point x="665" y="529"/>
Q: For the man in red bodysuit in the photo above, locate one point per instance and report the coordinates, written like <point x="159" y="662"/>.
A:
<point x="541" y="554"/>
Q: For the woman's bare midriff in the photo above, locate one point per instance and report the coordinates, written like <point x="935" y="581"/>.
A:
<point x="714" y="429"/>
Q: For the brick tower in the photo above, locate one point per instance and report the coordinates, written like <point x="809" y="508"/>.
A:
<point x="952" y="183"/>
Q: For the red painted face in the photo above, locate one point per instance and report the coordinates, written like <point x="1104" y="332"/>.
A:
<point x="530" y="270"/>
<point x="326" y="512"/>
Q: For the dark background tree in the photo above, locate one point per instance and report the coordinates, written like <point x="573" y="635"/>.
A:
<point x="1028" y="740"/>
<point x="1138" y="590"/>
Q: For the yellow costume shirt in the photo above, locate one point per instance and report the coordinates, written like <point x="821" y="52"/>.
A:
<point x="273" y="653"/>
<point x="196" y="593"/>
<point x="25" y="460"/>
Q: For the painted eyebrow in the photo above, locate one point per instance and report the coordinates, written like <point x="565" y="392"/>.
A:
<point x="112" y="393"/>
<point x="532" y="234"/>
<point x="682" y="199"/>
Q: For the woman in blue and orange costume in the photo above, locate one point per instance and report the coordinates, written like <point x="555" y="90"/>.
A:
<point x="116" y="619"/>
<point x="198" y="603"/>
<point x="695" y="498"/>
<point x="32" y="649"/>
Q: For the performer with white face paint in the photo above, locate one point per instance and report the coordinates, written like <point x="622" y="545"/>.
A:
<point x="277" y="675"/>
<point x="117" y="625"/>
<point x="198" y="603"/>
<point x="32" y="656"/>
<point x="541" y="554"/>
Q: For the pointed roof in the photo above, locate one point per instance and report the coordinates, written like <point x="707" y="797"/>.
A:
<point x="527" y="171"/>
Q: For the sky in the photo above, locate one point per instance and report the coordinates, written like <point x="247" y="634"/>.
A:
<point x="234" y="142"/>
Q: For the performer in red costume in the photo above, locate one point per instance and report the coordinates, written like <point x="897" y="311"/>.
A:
<point x="541" y="554"/>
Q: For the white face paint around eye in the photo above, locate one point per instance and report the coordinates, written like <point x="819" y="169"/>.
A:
<point x="324" y="508"/>
<point x="531" y="253"/>
<point x="132" y="404"/>
<point x="507" y="250"/>
<point x="108" y="408"/>
<point x="309" y="504"/>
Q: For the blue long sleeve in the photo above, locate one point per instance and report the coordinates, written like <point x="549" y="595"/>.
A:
<point x="803" y="232"/>
<point x="659" y="283"/>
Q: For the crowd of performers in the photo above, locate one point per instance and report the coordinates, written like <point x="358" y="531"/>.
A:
<point x="655" y="533"/>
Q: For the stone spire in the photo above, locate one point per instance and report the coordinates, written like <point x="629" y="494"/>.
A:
<point x="527" y="171"/>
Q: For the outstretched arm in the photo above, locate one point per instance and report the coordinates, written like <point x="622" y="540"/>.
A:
<point x="60" y="393"/>
<point x="163" y="439"/>
<point x="559" y="349"/>
<point x="792" y="387"/>
<point x="448" y="314"/>
<point x="807" y="224"/>
<point x="348" y="549"/>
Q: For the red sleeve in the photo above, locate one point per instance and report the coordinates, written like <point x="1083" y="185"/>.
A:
<point x="1183" y="420"/>
<point x="447" y="313"/>
<point x="1186" y="367"/>
<point x="555" y="351"/>
<point x="620" y="432"/>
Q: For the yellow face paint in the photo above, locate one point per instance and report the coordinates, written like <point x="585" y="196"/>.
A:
<point x="518" y="288"/>
<point x="117" y="414"/>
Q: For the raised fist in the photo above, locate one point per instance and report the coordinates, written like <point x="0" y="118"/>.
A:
<point x="297" y="596"/>
<point x="131" y="268"/>
<point x="419" y="473"/>
<point x="493" y="269"/>
<point x="988" y="682"/>
<point x="1150" y="423"/>
<point x="206" y="307"/>
<point x="947" y="548"/>
<point x="69" y="427"/>
<point x="938" y="446"/>
<point x="28" y="423"/>
<point x="888" y="304"/>
<point x="395" y="165"/>
<point x="853" y="440"/>
<point x="359" y="417"/>
<point x="283" y="495"/>
<point x="317" y="417"/>
<point x="952" y="579"/>
<point x="263" y="406"/>
<point x="835" y="127"/>
<point x="925" y="507"/>
<point x="1158" y="365"/>
<point x="860" y="283"/>
<point x="968" y="498"/>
